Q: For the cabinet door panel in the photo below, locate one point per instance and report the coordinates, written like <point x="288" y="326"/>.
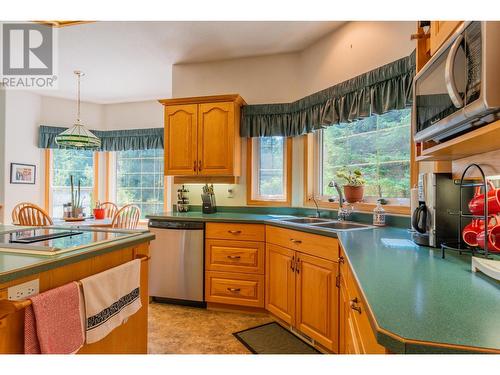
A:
<point x="440" y="32"/>
<point x="216" y="135"/>
<point x="280" y="283"/>
<point x="181" y="140"/>
<point x="317" y="300"/>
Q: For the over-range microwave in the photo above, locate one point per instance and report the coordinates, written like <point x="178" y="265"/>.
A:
<point x="459" y="87"/>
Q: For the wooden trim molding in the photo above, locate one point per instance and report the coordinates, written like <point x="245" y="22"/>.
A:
<point x="288" y="176"/>
<point x="107" y="163"/>
<point x="48" y="167"/>
<point x="95" y="191"/>
<point x="205" y="99"/>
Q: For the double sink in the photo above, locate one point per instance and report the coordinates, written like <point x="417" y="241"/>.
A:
<point x="319" y="223"/>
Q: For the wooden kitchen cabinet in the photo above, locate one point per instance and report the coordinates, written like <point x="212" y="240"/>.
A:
<point x="440" y="31"/>
<point x="301" y="287"/>
<point x="202" y="136"/>
<point x="280" y="282"/>
<point x="181" y="129"/>
<point x="234" y="264"/>
<point x="356" y="334"/>
<point x="317" y="299"/>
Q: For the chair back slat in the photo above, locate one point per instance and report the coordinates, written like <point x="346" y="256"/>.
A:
<point x="110" y="209"/>
<point x="34" y="216"/>
<point x="127" y="217"/>
<point x="17" y="208"/>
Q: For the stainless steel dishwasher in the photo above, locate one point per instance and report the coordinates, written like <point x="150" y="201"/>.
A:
<point x="177" y="262"/>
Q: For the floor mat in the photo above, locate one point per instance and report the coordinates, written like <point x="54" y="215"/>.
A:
<point x="271" y="338"/>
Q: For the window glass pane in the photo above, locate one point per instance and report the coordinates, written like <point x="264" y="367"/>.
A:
<point x="271" y="174"/>
<point x="80" y="165"/>
<point x="139" y="179"/>
<point x="378" y="145"/>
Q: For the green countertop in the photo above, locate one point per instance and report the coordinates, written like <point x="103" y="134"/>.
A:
<point x="14" y="266"/>
<point x="416" y="297"/>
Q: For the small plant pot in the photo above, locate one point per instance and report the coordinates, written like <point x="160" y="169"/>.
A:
<point x="77" y="212"/>
<point x="99" y="213"/>
<point x="353" y="193"/>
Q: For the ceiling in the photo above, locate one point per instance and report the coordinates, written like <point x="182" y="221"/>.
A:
<point x="132" y="61"/>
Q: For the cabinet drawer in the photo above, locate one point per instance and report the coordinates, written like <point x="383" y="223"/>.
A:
<point x="235" y="231"/>
<point x="234" y="288"/>
<point x="366" y="336"/>
<point x="313" y="244"/>
<point x="234" y="256"/>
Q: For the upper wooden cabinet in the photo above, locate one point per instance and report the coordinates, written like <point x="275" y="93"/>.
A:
<point x="202" y="136"/>
<point x="440" y="31"/>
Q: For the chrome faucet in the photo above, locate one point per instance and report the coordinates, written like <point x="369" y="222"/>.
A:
<point x="313" y="198"/>
<point x="344" y="212"/>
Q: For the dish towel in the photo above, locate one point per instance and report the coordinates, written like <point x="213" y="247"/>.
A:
<point x="110" y="298"/>
<point x="53" y="322"/>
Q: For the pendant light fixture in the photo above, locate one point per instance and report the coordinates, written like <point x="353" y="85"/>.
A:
<point x="77" y="136"/>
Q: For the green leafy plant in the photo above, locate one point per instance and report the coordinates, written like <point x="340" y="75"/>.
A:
<point x="353" y="177"/>
<point x="76" y="201"/>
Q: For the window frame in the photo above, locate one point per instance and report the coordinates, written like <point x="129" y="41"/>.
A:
<point x="312" y="179"/>
<point x="250" y="183"/>
<point x="48" y="179"/>
<point x="110" y="187"/>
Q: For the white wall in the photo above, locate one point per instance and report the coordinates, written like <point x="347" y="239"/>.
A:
<point x="353" y="49"/>
<point x="264" y="79"/>
<point x="2" y="152"/>
<point x="62" y="112"/>
<point x="22" y="112"/>
<point x="147" y="114"/>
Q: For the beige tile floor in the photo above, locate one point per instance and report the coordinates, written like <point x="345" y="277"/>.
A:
<point x="188" y="330"/>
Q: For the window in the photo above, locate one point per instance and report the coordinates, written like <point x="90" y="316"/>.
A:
<point x="80" y="165"/>
<point x="269" y="170"/>
<point x="379" y="146"/>
<point x="139" y="179"/>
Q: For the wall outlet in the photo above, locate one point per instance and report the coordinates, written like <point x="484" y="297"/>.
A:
<point x="230" y="192"/>
<point x="23" y="291"/>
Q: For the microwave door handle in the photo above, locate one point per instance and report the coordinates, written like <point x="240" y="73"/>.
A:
<point x="448" y="74"/>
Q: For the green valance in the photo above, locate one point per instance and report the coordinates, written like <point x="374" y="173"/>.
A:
<point x="375" y="92"/>
<point x="111" y="140"/>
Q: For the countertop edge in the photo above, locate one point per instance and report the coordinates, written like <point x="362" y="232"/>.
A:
<point x="88" y="252"/>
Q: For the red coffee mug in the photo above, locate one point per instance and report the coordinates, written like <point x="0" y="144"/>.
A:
<point x="99" y="213"/>
<point x="476" y="205"/>
<point x="493" y="235"/>
<point x="471" y="230"/>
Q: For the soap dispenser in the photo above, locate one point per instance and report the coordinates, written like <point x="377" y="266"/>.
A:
<point x="379" y="214"/>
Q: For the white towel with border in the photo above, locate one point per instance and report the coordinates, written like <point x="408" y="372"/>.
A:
<point x="111" y="297"/>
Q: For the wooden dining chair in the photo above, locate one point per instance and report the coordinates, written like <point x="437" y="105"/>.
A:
<point x="127" y="217"/>
<point x="34" y="216"/>
<point x="110" y="209"/>
<point x="17" y="208"/>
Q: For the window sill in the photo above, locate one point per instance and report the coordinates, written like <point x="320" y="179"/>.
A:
<point x="363" y="207"/>
<point x="268" y="203"/>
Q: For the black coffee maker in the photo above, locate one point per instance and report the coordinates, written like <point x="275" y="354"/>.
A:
<point x="435" y="219"/>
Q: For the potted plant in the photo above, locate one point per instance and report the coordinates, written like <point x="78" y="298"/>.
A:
<point x="354" y="186"/>
<point x="76" y="202"/>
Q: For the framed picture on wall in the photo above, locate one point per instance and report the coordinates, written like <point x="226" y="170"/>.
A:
<point x="22" y="173"/>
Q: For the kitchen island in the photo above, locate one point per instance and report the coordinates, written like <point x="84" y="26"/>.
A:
<point x="416" y="301"/>
<point x="56" y="270"/>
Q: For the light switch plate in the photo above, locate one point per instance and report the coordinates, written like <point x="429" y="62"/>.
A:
<point x="24" y="290"/>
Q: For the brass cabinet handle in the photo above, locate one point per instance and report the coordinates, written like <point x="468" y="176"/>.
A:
<point x="292" y="264"/>
<point x="199" y="165"/>
<point x="234" y="231"/>
<point x="233" y="256"/>
<point x="194" y="166"/>
<point x="234" y="290"/>
<point x="354" y="305"/>
<point x="295" y="241"/>
<point x="341" y="260"/>
<point x="297" y="266"/>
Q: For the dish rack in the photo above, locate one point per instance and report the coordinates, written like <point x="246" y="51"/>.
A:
<point x="460" y="246"/>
